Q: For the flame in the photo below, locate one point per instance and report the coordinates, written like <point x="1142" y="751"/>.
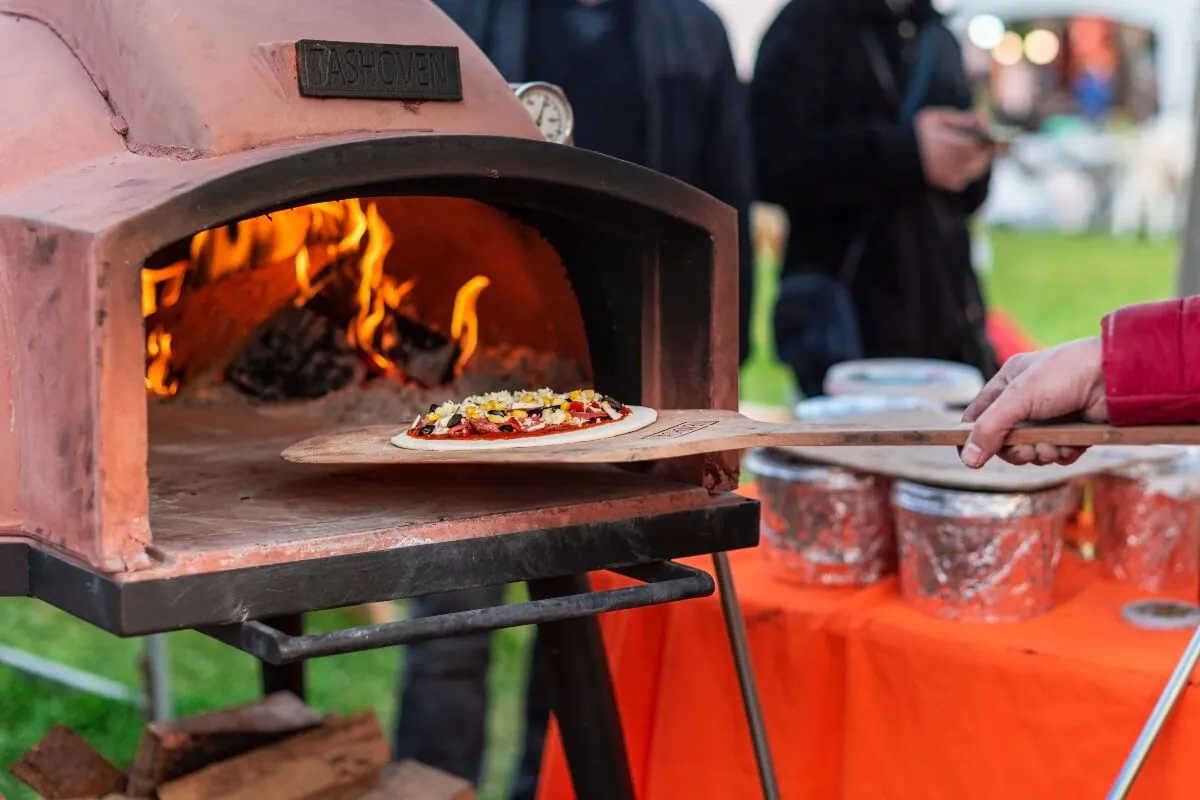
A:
<point x="464" y="324"/>
<point x="158" y="352"/>
<point x="312" y="237"/>
<point x="170" y="278"/>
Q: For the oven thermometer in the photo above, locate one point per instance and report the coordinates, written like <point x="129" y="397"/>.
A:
<point x="548" y="106"/>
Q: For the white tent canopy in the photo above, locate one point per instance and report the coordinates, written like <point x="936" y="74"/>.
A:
<point x="1174" y="23"/>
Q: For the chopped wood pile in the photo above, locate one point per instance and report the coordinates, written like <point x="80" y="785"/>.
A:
<point x="276" y="748"/>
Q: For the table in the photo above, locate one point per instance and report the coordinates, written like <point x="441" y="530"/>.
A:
<point x="866" y="698"/>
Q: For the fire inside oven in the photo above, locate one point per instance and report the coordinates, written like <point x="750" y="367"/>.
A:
<point x="368" y="308"/>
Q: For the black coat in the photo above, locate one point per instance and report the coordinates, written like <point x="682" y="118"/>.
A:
<point x="828" y="145"/>
<point x="698" y="127"/>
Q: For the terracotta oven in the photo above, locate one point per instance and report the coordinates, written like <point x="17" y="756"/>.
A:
<point x="225" y="226"/>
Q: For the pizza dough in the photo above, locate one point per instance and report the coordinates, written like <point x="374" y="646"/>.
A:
<point x="638" y="417"/>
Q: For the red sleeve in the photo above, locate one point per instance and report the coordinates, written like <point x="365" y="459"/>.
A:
<point x="1152" y="363"/>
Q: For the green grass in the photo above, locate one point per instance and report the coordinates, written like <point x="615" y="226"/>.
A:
<point x="207" y="675"/>
<point x="1056" y="287"/>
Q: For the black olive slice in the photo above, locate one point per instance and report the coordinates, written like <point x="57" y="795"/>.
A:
<point x="428" y="429"/>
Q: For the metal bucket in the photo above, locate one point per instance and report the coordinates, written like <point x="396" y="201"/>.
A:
<point x="822" y="526"/>
<point x="1148" y="525"/>
<point x="976" y="556"/>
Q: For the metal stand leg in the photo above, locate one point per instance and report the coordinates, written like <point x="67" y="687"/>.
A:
<point x="288" y="677"/>
<point x="1162" y="709"/>
<point x="156" y="671"/>
<point x="736" y="628"/>
<point x="581" y="694"/>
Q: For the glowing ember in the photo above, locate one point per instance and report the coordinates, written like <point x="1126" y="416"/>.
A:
<point x="314" y="238"/>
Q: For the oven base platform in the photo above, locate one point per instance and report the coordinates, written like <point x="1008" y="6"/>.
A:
<point x="147" y="605"/>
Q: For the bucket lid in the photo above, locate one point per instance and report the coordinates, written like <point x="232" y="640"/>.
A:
<point x="935" y="501"/>
<point x="1161" y="614"/>
<point x="819" y="408"/>
<point x="944" y="381"/>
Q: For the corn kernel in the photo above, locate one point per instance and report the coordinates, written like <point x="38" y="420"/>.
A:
<point x="519" y="414"/>
<point x="496" y="418"/>
<point x="432" y="416"/>
<point x="564" y="406"/>
<point x="574" y="395"/>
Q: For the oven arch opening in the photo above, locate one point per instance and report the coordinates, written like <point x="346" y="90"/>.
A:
<point x="659" y="313"/>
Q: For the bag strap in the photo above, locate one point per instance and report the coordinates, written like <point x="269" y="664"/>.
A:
<point x="909" y="105"/>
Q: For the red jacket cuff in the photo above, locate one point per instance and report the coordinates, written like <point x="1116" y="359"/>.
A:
<point x="1151" y="363"/>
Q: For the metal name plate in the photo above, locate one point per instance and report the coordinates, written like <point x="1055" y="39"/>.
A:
<point x="378" y="71"/>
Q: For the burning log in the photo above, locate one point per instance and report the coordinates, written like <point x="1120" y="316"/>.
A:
<point x="299" y="355"/>
<point x="425" y="355"/>
<point x="209" y="326"/>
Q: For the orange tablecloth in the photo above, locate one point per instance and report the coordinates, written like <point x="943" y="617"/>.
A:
<point x="1007" y="336"/>
<point x="867" y="698"/>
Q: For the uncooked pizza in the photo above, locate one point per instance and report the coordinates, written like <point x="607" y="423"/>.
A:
<point x="523" y="418"/>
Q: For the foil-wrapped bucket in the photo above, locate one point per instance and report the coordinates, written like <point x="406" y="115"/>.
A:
<point x="977" y="556"/>
<point x="822" y="526"/>
<point x="1148" y="526"/>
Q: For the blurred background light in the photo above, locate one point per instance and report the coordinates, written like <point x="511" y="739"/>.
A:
<point x="985" y="31"/>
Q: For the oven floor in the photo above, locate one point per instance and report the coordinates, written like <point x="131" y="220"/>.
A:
<point x="221" y="497"/>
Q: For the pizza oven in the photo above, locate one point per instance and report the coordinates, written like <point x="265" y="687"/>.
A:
<point x="227" y="226"/>
<point x="239" y="224"/>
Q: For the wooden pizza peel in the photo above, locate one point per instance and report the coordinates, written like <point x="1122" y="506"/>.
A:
<point x="679" y="433"/>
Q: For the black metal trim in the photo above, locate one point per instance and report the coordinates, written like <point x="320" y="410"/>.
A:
<point x="664" y="582"/>
<point x="582" y="697"/>
<point x="138" y="607"/>
<point x="14" y="569"/>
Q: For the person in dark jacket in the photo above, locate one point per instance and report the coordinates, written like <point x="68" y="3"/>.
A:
<point x="829" y="145"/>
<point x="651" y="82"/>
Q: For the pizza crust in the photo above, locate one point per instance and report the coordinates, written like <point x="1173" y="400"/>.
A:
<point x="638" y="417"/>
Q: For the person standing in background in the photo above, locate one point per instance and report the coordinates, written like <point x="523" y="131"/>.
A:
<point x="878" y="264"/>
<point x="651" y="82"/>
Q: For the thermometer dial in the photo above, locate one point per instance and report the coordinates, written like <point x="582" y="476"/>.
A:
<point x="548" y="107"/>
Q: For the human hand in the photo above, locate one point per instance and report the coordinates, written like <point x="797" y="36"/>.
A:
<point x="950" y="158"/>
<point x="1036" y="386"/>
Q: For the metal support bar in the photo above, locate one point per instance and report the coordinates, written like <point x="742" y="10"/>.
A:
<point x="735" y="626"/>
<point x="1162" y="709"/>
<point x="665" y="582"/>
<point x="281" y="675"/>
<point x="582" y="696"/>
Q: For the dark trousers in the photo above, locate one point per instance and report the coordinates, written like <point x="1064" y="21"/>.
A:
<point x="444" y="700"/>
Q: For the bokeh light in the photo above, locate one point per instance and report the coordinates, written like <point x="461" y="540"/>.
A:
<point x="1009" y="50"/>
<point x="1041" y="47"/>
<point x="985" y="31"/>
